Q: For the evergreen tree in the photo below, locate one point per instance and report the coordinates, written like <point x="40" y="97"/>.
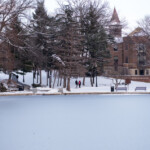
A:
<point x="96" y="41"/>
<point x="69" y="44"/>
<point x="39" y="34"/>
<point x="40" y="37"/>
<point x="51" y="65"/>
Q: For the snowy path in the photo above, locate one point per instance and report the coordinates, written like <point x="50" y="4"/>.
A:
<point x="104" y="86"/>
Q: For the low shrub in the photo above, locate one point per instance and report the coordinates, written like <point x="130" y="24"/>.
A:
<point x="2" y="88"/>
<point x="36" y="85"/>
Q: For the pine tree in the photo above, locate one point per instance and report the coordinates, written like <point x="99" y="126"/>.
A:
<point x="69" y="44"/>
<point x="51" y="64"/>
<point x="96" y="41"/>
<point x="39" y="36"/>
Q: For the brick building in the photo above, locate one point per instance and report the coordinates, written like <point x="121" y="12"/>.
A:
<point x="130" y="55"/>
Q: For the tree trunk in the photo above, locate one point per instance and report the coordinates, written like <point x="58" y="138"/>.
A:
<point x="9" y="80"/>
<point x="58" y="82"/>
<point x="40" y="77"/>
<point x="61" y="81"/>
<point x="96" y="81"/>
<point x="55" y="75"/>
<point x="91" y="81"/>
<point x="84" y="81"/>
<point x="117" y="83"/>
<point x="33" y="77"/>
<point x="64" y="86"/>
<point x="50" y="79"/>
<point x="37" y="75"/>
<point x="68" y="84"/>
<point x="58" y="79"/>
<point x="47" y="76"/>
<point x="23" y="78"/>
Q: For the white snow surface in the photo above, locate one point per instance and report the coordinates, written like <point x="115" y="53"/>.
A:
<point x="104" y="85"/>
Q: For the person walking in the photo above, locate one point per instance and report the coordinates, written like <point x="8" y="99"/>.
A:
<point x="76" y="83"/>
<point x="79" y="83"/>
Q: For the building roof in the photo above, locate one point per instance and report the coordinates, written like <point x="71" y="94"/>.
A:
<point x="136" y="39"/>
<point x="137" y="32"/>
<point x="115" y="18"/>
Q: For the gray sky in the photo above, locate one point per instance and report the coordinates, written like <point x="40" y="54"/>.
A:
<point x="131" y="10"/>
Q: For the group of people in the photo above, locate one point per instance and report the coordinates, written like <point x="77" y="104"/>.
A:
<point x="78" y="83"/>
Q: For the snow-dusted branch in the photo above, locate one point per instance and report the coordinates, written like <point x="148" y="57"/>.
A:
<point x="58" y="59"/>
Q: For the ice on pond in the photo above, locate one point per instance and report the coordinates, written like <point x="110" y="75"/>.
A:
<point x="75" y="122"/>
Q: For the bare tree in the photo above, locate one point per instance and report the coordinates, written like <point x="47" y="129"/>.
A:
<point x="143" y="46"/>
<point x="10" y="36"/>
<point x="144" y="24"/>
<point x="9" y="8"/>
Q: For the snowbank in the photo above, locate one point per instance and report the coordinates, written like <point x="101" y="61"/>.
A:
<point x="104" y="85"/>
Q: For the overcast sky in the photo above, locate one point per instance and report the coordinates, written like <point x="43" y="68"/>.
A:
<point x="131" y="10"/>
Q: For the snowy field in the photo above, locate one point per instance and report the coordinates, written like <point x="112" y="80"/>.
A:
<point x="85" y="122"/>
<point x="104" y="84"/>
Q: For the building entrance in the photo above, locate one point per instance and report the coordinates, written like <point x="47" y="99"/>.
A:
<point x="141" y="72"/>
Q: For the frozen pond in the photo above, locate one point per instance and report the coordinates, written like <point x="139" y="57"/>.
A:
<point x="76" y="122"/>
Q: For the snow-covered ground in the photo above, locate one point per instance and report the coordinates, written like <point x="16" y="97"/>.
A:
<point x="75" y="122"/>
<point x="104" y="85"/>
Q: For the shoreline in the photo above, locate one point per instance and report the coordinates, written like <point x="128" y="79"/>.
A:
<point x="73" y="93"/>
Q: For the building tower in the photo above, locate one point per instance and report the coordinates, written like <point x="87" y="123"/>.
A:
<point x="115" y="27"/>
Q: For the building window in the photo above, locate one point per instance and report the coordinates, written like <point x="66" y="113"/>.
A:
<point x="116" y="63"/>
<point x="115" y="48"/>
<point x="141" y="72"/>
<point x="141" y="53"/>
<point x="136" y="72"/>
<point x="115" y="59"/>
<point x="141" y="47"/>
<point x="141" y="59"/>
<point x="147" y="72"/>
<point x="126" y="47"/>
<point x="126" y="61"/>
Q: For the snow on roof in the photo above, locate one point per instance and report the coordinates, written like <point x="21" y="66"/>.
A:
<point x="114" y="23"/>
<point x="137" y="32"/>
<point x="118" y="39"/>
